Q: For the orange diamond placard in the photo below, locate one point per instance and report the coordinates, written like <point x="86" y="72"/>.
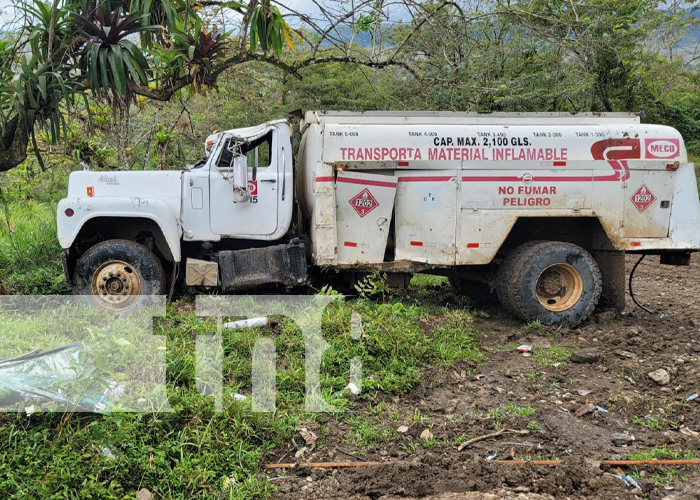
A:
<point x="642" y="198"/>
<point x="364" y="202"/>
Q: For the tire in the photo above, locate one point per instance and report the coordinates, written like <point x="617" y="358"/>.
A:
<point x="478" y="292"/>
<point x="118" y="274"/>
<point x="554" y="282"/>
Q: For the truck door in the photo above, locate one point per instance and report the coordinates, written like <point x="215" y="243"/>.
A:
<point x="647" y="202"/>
<point x="258" y="216"/>
<point x="426" y="213"/>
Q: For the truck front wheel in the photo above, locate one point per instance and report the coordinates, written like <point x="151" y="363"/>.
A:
<point x="554" y="282"/>
<point x="116" y="274"/>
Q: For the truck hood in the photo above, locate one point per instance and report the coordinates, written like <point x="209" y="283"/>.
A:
<point x="165" y="186"/>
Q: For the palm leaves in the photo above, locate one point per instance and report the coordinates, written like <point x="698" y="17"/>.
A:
<point x="160" y="13"/>
<point x="268" y="27"/>
<point x="39" y="90"/>
<point x="112" y="61"/>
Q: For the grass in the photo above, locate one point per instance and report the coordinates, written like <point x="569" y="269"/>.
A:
<point x="365" y="431"/>
<point x="548" y="357"/>
<point x="650" y="422"/>
<point x="501" y="414"/>
<point x="664" y="453"/>
<point x="533" y="326"/>
<point x="662" y="477"/>
<point x="188" y="452"/>
<point x="30" y="256"/>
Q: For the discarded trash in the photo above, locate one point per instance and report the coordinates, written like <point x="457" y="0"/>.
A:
<point x="107" y="452"/>
<point x="692" y="397"/>
<point x="491" y="457"/>
<point x="688" y="432"/>
<point x="353" y="389"/>
<point x="228" y="482"/>
<point x="239" y="397"/>
<point x="629" y="481"/>
<point x="247" y="323"/>
<point x="54" y="376"/>
<point x="661" y="316"/>
<point x="585" y="409"/>
<point x="601" y="409"/>
<point x="583" y="392"/>
<point x="144" y="494"/>
<point x="308" y="436"/>
<point x="524" y="348"/>
<point x="426" y="435"/>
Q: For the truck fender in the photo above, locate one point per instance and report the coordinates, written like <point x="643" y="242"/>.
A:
<point x="86" y="209"/>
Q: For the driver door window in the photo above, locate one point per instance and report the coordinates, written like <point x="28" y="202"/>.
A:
<point x="257" y="216"/>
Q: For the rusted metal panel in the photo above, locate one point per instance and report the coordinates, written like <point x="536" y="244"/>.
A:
<point x="364" y="204"/>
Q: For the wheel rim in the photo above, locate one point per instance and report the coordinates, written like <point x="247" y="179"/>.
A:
<point x="116" y="285"/>
<point x="559" y="287"/>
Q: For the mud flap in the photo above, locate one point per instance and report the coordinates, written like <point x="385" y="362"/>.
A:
<point x="246" y="269"/>
<point x="612" y="267"/>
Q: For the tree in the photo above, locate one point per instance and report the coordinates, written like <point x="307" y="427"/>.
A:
<point x="485" y="55"/>
<point x="69" y="49"/>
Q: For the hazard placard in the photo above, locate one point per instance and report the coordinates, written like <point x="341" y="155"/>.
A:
<point x="643" y="198"/>
<point x="364" y="202"/>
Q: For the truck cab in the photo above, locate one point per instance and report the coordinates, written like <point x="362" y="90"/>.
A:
<point x="240" y="193"/>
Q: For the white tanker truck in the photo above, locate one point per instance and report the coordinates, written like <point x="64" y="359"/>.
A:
<point x="537" y="210"/>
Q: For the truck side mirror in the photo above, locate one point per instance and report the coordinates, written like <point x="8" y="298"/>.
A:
<point x="240" y="180"/>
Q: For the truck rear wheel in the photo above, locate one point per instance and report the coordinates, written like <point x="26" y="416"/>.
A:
<point x="116" y="274"/>
<point x="554" y="282"/>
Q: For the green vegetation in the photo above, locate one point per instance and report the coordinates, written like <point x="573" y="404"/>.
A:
<point x="188" y="452"/>
<point x="152" y="81"/>
<point x="662" y="477"/>
<point x="664" y="453"/>
<point x="552" y="355"/>
<point x="651" y="422"/>
<point x="502" y="414"/>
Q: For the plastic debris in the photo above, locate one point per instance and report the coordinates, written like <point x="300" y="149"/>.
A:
<point x="247" y="323"/>
<point x="628" y="481"/>
<point x="601" y="409"/>
<point x="525" y="348"/>
<point x="228" y="482"/>
<point x="491" y="457"/>
<point x="54" y="376"/>
<point x="353" y="389"/>
<point x="239" y="397"/>
<point x="692" y="397"/>
<point x="107" y="452"/>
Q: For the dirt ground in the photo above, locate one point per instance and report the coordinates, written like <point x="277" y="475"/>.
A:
<point x="472" y="400"/>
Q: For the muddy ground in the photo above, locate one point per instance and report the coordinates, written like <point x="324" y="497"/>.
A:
<point x="472" y="400"/>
